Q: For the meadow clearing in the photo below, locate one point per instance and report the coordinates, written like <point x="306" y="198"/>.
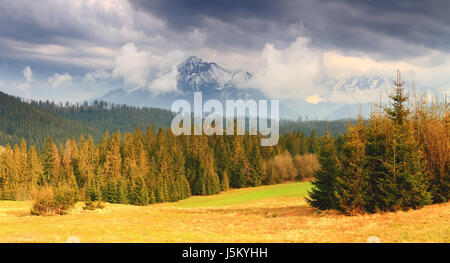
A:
<point x="276" y="213"/>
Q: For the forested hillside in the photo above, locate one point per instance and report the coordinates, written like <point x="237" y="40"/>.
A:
<point x="34" y="121"/>
<point x="19" y="119"/>
<point x="102" y="116"/>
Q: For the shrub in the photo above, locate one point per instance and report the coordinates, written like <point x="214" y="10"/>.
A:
<point x="306" y="165"/>
<point x="90" y="205"/>
<point x="280" y="169"/>
<point x="49" y="201"/>
<point x="43" y="202"/>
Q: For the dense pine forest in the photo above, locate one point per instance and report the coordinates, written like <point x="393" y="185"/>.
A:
<point x="147" y="167"/>
<point x="34" y="121"/>
<point x="60" y="145"/>
<point x="397" y="160"/>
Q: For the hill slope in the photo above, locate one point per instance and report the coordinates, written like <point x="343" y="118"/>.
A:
<point x="34" y="121"/>
<point x="19" y="119"/>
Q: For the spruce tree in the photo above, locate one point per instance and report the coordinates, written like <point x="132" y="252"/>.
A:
<point x="256" y="163"/>
<point x="240" y="167"/>
<point x="225" y="182"/>
<point x="403" y="183"/>
<point x="51" y="163"/>
<point x="322" y="195"/>
<point x="35" y="169"/>
<point x="352" y="183"/>
<point x="113" y="159"/>
<point x="139" y="193"/>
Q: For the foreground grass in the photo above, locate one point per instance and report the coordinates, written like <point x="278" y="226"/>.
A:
<point x="264" y="214"/>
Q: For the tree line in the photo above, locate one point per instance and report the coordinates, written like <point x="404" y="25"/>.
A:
<point x="397" y="160"/>
<point x="151" y="166"/>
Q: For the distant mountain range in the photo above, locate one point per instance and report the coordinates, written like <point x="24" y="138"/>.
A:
<point x="215" y="82"/>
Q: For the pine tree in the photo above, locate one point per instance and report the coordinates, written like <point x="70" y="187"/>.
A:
<point x="8" y="176"/>
<point x="139" y="192"/>
<point x="67" y="166"/>
<point x="51" y="163"/>
<point x="35" y="170"/>
<point x="322" y="194"/>
<point x="93" y="192"/>
<point x="352" y="184"/>
<point x="402" y="184"/>
<point x="113" y="159"/>
<point x="256" y="163"/>
<point x="240" y="167"/>
<point x="225" y="182"/>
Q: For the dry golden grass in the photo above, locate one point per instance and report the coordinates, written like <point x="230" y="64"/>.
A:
<point x="278" y="219"/>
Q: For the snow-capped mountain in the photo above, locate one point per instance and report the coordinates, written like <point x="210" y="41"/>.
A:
<point x="193" y="75"/>
<point x="338" y="96"/>
<point x="197" y="75"/>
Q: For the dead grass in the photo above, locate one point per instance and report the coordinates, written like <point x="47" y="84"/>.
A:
<point x="284" y="219"/>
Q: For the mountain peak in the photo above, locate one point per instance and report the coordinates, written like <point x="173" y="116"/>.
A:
<point x="195" y="74"/>
<point x="194" y="59"/>
<point x="192" y="64"/>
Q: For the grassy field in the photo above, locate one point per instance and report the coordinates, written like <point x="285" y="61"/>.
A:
<point x="275" y="213"/>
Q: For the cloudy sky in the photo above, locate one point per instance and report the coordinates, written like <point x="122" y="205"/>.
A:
<point x="76" y="50"/>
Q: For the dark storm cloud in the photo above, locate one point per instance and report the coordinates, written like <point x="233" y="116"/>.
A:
<point x="387" y="28"/>
<point x="49" y="22"/>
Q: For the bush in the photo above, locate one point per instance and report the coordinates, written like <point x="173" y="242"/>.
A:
<point x="49" y="201"/>
<point x="280" y="169"/>
<point x="306" y="165"/>
<point x="90" y="205"/>
<point x="43" y="202"/>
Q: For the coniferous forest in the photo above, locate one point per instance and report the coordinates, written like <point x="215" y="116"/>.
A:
<point x="397" y="160"/>
<point x="148" y="167"/>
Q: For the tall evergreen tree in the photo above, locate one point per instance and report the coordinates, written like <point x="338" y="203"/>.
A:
<point x="352" y="183"/>
<point x="402" y="184"/>
<point x="322" y="195"/>
<point x="51" y="163"/>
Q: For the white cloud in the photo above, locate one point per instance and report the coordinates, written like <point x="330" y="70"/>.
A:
<point x="196" y="38"/>
<point x="28" y="74"/>
<point x="99" y="74"/>
<point x="430" y="73"/>
<point x="132" y="65"/>
<point x="57" y="80"/>
<point x="170" y="60"/>
<point x="290" y="72"/>
<point x="165" y="83"/>
<point x="293" y="72"/>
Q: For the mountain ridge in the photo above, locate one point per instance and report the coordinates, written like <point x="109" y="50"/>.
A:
<point x="216" y="82"/>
